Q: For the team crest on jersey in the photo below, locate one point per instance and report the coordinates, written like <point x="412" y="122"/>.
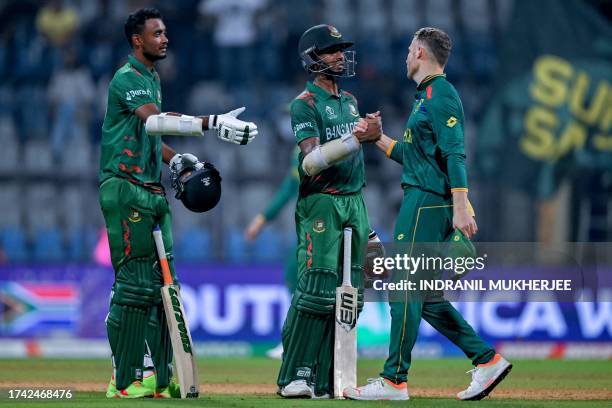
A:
<point x="417" y="106"/>
<point x="333" y="31"/>
<point x="353" y="110"/>
<point x="408" y="136"/>
<point x="452" y="121"/>
<point x="318" y="226"/>
<point x="134" y="216"/>
<point x="400" y="237"/>
<point x="330" y="112"/>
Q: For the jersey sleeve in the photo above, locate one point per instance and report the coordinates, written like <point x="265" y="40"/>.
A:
<point x="396" y="152"/>
<point x="131" y="91"/>
<point x="288" y="190"/>
<point x="303" y="120"/>
<point x="447" y="123"/>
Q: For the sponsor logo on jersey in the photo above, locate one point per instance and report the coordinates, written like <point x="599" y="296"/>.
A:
<point x="408" y="136"/>
<point x="353" y="110"/>
<point x="129" y="95"/>
<point x="318" y="226"/>
<point x="333" y="31"/>
<point x="302" y="126"/>
<point x="338" y="130"/>
<point x="452" y="121"/>
<point x="330" y="112"/>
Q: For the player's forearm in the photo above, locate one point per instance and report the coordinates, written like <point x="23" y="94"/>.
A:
<point x="391" y="148"/>
<point x="167" y="153"/>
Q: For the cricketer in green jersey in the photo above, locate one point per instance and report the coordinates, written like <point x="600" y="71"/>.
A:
<point x="435" y="203"/>
<point x="331" y="174"/>
<point x="133" y="201"/>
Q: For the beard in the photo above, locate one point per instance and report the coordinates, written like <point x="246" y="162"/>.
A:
<point x="153" y="57"/>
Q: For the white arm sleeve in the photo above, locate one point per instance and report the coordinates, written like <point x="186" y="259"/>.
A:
<point x="325" y="156"/>
<point x="183" y="125"/>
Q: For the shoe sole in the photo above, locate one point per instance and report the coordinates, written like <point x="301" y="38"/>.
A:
<point x="491" y="387"/>
<point x="356" y="398"/>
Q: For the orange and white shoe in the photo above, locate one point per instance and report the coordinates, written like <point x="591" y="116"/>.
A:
<point x="485" y="378"/>
<point x="378" y="389"/>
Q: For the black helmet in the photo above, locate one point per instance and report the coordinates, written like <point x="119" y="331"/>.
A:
<point x="199" y="188"/>
<point x="322" y="39"/>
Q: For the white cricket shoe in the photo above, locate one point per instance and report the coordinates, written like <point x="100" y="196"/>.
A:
<point x="296" y="389"/>
<point x="378" y="389"/>
<point x="485" y="378"/>
<point x="275" y="353"/>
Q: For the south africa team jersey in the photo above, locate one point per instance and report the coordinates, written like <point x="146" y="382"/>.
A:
<point x="317" y="113"/>
<point x="432" y="150"/>
<point x="127" y="150"/>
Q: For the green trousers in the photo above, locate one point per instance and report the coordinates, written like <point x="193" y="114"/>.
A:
<point x="308" y="330"/>
<point x="136" y="323"/>
<point x="426" y="217"/>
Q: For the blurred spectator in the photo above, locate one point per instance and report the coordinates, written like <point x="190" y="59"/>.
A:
<point x="57" y="22"/>
<point x="235" y="34"/>
<point x="71" y="92"/>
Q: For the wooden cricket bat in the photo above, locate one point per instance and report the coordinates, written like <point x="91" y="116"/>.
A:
<point x="184" y="358"/>
<point x="345" y="339"/>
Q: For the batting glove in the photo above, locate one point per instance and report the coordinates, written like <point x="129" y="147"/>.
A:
<point x="231" y="129"/>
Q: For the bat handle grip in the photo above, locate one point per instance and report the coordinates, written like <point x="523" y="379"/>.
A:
<point x="161" y="254"/>
<point x="346" y="259"/>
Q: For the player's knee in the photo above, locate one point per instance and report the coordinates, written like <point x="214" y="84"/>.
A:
<point x="316" y="292"/>
<point x="135" y="284"/>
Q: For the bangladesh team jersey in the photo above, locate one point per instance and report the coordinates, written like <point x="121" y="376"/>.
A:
<point x="432" y="150"/>
<point x="127" y="150"/>
<point x="317" y="113"/>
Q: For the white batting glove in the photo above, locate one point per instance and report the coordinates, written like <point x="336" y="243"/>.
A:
<point x="231" y="129"/>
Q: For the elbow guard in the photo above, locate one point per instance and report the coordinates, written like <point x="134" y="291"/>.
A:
<point x="177" y="125"/>
<point x="325" y="156"/>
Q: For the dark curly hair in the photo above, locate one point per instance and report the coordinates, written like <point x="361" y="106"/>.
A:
<point x="136" y="22"/>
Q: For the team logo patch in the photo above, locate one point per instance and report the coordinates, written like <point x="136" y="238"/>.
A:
<point x="353" y="110"/>
<point x="303" y="372"/>
<point x="408" y="136"/>
<point x="330" y="112"/>
<point x="333" y="31"/>
<point x="456" y="238"/>
<point x="205" y="181"/>
<point x="318" y="226"/>
<point x="400" y="237"/>
<point x="134" y="216"/>
<point x="418" y="104"/>
<point x="452" y="121"/>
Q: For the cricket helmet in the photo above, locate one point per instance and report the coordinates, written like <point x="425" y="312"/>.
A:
<point x="199" y="188"/>
<point x="325" y="39"/>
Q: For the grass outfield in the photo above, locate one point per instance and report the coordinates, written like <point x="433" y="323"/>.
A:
<point x="251" y="383"/>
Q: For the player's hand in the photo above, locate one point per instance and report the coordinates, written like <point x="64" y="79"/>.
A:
<point x="463" y="221"/>
<point x="369" y="129"/>
<point x="375" y="250"/>
<point x="254" y="228"/>
<point x="231" y="129"/>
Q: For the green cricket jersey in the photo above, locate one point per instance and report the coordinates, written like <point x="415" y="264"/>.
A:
<point x="127" y="150"/>
<point x="432" y="151"/>
<point x="317" y="113"/>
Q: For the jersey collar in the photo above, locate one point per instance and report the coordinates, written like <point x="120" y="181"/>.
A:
<point x="316" y="89"/>
<point x="428" y="79"/>
<point x="140" y="67"/>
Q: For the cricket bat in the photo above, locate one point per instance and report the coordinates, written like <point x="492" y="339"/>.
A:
<point x="345" y="339"/>
<point x="184" y="358"/>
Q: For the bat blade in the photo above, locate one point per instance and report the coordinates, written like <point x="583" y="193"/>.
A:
<point x="345" y="340"/>
<point x="182" y="345"/>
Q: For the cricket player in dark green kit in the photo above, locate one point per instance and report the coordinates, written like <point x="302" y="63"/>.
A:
<point x="133" y="201"/>
<point x="435" y="204"/>
<point x="331" y="178"/>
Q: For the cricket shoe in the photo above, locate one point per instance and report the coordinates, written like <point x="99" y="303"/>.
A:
<point x="378" y="389"/>
<point x="173" y="390"/>
<point x="296" y="389"/>
<point x="485" y="378"/>
<point x="275" y="353"/>
<point x="111" y="390"/>
<point x="134" y="390"/>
